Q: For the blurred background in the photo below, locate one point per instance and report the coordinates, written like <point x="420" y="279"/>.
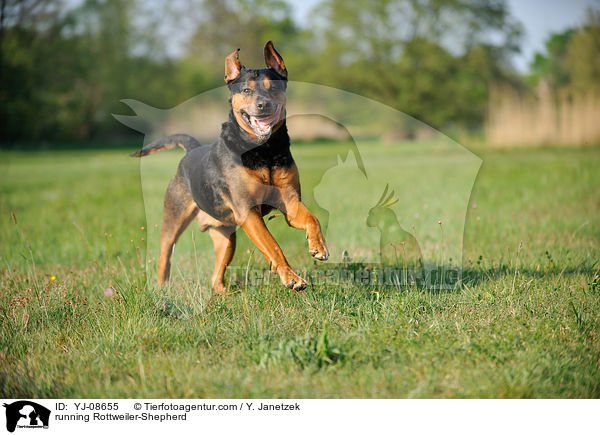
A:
<point x="486" y="71"/>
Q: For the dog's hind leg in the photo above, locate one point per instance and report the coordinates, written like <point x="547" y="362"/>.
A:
<point x="179" y="210"/>
<point x="223" y="239"/>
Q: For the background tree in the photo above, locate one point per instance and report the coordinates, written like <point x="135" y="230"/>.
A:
<point x="420" y="56"/>
<point x="245" y="24"/>
<point x="583" y="55"/>
<point x="571" y="60"/>
<point x="552" y="65"/>
<point x="64" y="66"/>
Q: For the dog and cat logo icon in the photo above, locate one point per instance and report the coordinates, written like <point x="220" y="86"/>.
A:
<point x="25" y="414"/>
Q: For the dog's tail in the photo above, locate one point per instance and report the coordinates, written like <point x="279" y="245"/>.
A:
<point x="184" y="141"/>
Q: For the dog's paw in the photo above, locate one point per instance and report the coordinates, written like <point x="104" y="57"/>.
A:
<point x="321" y="256"/>
<point x="291" y="280"/>
<point x="318" y="250"/>
<point x="298" y="286"/>
<point x="219" y="287"/>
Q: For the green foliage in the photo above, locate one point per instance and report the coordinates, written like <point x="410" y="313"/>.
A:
<point x="65" y="69"/>
<point x="583" y="56"/>
<point x="553" y="64"/>
<point x="431" y="59"/>
<point x="65" y="75"/>
<point x="244" y="24"/>
<point x="572" y="58"/>
<point x="306" y="351"/>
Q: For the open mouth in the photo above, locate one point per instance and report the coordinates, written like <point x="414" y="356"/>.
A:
<point x="262" y="126"/>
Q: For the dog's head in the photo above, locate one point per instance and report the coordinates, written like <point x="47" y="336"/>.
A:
<point x="257" y="95"/>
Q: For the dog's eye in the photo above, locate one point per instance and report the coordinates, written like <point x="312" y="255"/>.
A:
<point x="247" y="91"/>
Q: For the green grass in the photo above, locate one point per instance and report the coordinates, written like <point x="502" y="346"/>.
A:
<point x="524" y="323"/>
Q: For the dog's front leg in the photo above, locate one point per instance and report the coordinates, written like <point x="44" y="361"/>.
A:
<point x="257" y="231"/>
<point x="297" y="214"/>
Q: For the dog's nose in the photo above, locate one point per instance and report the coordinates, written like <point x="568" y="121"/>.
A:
<point x="263" y="105"/>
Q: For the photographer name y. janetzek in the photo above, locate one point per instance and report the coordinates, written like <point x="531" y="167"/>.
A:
<point x="279" y="407"/>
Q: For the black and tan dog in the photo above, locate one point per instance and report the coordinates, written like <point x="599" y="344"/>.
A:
<point x="240" y="178"/>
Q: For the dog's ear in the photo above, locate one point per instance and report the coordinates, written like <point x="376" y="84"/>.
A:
<point x="274" y="60"/>
<point x="232" y="66"/>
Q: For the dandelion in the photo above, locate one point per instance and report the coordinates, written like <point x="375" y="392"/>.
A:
<point x="52" y="278"/>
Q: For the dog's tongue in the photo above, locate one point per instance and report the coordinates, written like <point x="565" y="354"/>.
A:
<point x="262" y="126"/>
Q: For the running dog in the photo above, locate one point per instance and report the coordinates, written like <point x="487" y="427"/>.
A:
<point x="237" y="180"/>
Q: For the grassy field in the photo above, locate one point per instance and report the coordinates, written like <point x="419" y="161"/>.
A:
<point x="524" y="323"/>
